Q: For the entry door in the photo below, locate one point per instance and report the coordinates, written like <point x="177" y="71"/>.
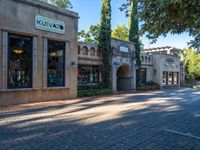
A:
<point x="143" y="75"/>
<point x="123" y="83"/>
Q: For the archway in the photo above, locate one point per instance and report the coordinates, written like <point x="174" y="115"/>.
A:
<point x="124" y="78"/>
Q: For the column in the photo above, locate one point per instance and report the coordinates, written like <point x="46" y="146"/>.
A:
<point x="67" y="65"/>
<point x="45" y="63"/>
<point x="1" y="59"/>
<point x="35" y="62"/>
<point x="5" y="61"/>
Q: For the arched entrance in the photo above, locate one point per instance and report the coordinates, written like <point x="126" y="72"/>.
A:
<point x="124" y="78"/>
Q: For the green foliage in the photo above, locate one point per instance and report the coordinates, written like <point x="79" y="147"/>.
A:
<point x="120" y="32"/>
<point x="134" y="35"/>
<point x="159" y="17"/>
<point x="192" y="63"/>
<point x="90" y="36"/>
<point x="150" y="85"/>
<point x="60" y="3"/>
<point x="93" y="90"/>
<point x="104" y="40"/>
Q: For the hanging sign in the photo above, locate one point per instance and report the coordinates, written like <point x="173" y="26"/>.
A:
<point x="47" y="24"/>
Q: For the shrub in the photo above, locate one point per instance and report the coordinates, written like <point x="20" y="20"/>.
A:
<point x="93" y="90"/>
<point x="150" y="85"/>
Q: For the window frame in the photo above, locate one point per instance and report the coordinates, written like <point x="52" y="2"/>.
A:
<point x="8" y="62"/>
<point x="88" y="83"/>
<point x="64" y="64"/>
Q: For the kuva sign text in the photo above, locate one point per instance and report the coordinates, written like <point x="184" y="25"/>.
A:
<point x="44" y="23"/>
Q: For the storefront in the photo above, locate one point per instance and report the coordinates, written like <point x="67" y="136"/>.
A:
<point x="166" y="70"/>
<point x="38" y="57"/>
<point x="170" y="78"/>
<point x="88" y="74"/>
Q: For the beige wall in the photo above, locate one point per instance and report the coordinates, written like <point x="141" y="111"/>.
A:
<point x="123" y="59"/>
<point x="19" y="17"/>
<point x="161" y="63"/>
<point x="1" y="63"/>
<point x="149" y="72"/>
<point x="89" y="59"/>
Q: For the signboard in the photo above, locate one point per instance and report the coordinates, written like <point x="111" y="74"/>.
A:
<point x="47" y="24"/>
<point x="124" y="49"/>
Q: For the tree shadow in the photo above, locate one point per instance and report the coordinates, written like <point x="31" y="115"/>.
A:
<point x="129" y="121"/>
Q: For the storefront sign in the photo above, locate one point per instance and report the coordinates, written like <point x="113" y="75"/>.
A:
<point x="123" y="48"/>
<point x="44" y="23"/>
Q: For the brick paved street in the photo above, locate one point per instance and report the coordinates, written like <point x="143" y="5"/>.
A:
<point x="161" y="120"/>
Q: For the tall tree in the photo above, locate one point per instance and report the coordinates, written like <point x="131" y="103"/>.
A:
<point x="105" y="41"/>
<point x="159" y="17"/>
<point x="60" y="3"/>
<point x="120" y="32"/>
<point x="90" y="36"/>
<point x="192" y="63"/>
<point x="134" y="35"/>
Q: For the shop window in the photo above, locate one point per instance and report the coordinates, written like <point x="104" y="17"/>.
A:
<point x="56" y="64"/>
<point x="175" y="78"/>
<point x="19" y="62"/>
<point x="79" y="50"/>
<point x="143" y="75"/>
<point x="88" y="74"/>
<point x="85" y="50"/>
<point x="149" y="59"/>
<point x="145" y="58"/>
<point x="92" y="52"/>
<point x="170" y="78"/>
<point x="164" y="78"/>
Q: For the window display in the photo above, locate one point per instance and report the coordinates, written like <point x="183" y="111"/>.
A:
<point x="20" y="62"/>
<point x="56" y="64"/>
<point x="88" y="74"/>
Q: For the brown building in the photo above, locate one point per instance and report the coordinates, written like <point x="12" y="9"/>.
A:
<point x="38" y="52"/>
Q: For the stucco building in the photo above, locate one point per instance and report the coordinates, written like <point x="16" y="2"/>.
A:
<point x="163" y="66"/>
<point x="41" y="58"/>
<point x="38" y="52"/>
<point x="160" y="65"/>
<point x="123" y="65"/>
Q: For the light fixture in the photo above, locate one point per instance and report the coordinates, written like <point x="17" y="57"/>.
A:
<point x="18" y="51"/>
<point x="74" y="64"/>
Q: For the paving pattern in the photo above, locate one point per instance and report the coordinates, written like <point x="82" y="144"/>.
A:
<point x="160" y="120"/>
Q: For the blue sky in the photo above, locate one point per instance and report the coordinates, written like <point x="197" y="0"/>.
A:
<point x="89" y="12"/>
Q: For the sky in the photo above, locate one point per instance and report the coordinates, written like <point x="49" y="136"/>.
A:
<point x="89" y="12"/>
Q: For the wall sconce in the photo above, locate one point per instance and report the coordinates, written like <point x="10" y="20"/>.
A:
<point x="116" y="63"/>
<point x="74" y="64"/>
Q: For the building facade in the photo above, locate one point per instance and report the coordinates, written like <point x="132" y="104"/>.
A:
<point x="90" y="61"/>
<point x="163" y="66"/>
<point x="38" y="52"/>
<point x="41" y="59"/>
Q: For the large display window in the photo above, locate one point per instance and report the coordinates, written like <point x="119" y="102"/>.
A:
<point x="175" y="78"/>
<point x="170" y="78"/>
<point x="19" y="62"/>
<point x="88" y="74"/>
<point x="56" y="64"/>
<point x="164" y="78"/>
